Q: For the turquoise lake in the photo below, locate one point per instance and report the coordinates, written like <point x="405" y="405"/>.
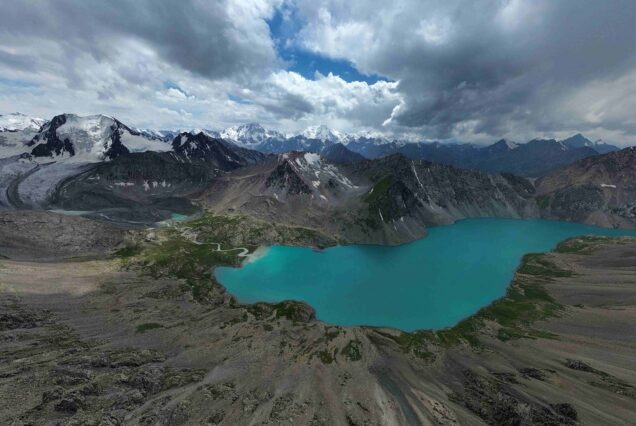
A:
<point x="431" y="283"/>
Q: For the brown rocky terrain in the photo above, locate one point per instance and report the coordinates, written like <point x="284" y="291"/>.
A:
<point x="599" y="190"/>
<point x="38" y="234"/>
<point x="149" y="338"/>
<point x="384" y="201"/>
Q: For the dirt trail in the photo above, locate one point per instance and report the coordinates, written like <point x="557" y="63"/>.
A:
<point x="192" y="237"/>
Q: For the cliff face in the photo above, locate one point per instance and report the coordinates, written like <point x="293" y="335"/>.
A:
<point x="389" y="201"/>
<point x="599" y="190"/>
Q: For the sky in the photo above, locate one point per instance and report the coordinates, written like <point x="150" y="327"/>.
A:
<point x="451" y="70"/>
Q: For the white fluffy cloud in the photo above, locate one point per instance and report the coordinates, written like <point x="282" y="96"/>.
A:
<point x="458" y="69"/>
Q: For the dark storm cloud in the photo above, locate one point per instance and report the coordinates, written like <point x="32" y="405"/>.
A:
<point x="495" y="65"/>
<point x="498" y="77"/>
<point x="199" y="36"/>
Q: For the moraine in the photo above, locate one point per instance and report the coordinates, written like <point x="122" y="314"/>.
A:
<point x="431" y="283"/>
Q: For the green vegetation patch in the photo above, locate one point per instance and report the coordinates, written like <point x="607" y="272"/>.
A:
<point x="379" y="190"/>
<point x="184" y="259"/>
<point x="247" y="231"/>
<point x="379" y="202"/>
<point x="294" y="311"/>
<point x="128" y="252"/>
<point x="581" y="245"/>
<point x="326" y="357"/>
<point x="543" y="201"/>
<point x="142" y="328"/>
<point x="536" y="264"/>
<point x="352" y="351"/>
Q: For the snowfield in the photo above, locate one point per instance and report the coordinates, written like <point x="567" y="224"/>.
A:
<point x="16" y="122"/>
<point x="91" y="137"/>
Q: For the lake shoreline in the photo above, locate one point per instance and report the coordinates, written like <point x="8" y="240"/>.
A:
<point x="221" y="274"/>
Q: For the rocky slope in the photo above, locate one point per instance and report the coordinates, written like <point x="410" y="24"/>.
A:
<point x="339" y="153"/>
<point x="580" y="141"/>
<point x="138" y="187"/>
<point x="147" y="187"/>
<point x="219" y="154"/>
<point x="390" y="200"/>
<point x="534" y="158"/>
<point x="41" y="235"/>
<point x="600" y="190"/>
<point x="92" y="342"/>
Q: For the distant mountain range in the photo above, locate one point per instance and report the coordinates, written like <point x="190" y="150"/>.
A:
<point x="535" y="158"/>
<point x="95" y="138"/>
<point x="18" y="122"/>
<point x="322" y="179"/>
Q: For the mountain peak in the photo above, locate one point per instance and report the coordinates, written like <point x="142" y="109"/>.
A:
<point x="322" y="133"/>
<point x="89" y="138"/>
<point x="17" y="121"/>
<point x="249" y="134"/>
<point x="577" y="141"/>
<point x="504" y="144"/>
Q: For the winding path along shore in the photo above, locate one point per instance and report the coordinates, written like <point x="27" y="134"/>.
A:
<point x="192" y="237"/>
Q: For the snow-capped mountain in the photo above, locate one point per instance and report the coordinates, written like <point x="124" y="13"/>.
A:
<point x="250" y="135"/>
<point x="580" y="141"/>
<point x="323" y="133"/>
<point x="89" y="139"/>
<point x="200" y="147"/>
<point x="18" y="122"/>
<point x="254" y="136"/>
<point x="161" y="135"/>
<point x="307" y="173"/>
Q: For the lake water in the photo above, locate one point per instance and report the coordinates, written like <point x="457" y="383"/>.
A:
<point x="431" y="283"/>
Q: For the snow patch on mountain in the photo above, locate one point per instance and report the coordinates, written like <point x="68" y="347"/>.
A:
<point x="323" y="133"/>
<point x="90" y="139"/>
<point x="249" y="135"/>
<point x="15" y="143"/>
<point x="17" y="122"/>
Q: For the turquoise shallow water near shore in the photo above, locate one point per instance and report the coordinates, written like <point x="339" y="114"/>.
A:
<point x="428" y="284"/>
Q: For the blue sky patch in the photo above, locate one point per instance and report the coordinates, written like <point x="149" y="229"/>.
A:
<point x="238" y="99"/>
<point x="18" y="84"/>
<point x="284" y="27"/>
<point x="169" y="84"/>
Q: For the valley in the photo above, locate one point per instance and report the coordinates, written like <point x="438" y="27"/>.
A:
<point x="114" y="312"/>
<point x="317" y="213"/>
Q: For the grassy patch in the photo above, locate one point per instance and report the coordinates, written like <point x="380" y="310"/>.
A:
<point x="184" y="259"/>
<point x="543" y="201"/>
<point x="247" y="231"/>
<point x="581" y="245"/>
<point x="330" y="335"/>
<point x="352" y="351"/>
<point x="417" y="343"/>
<point x="294" y="311"/>
<point x="536" y="264"/>
<point x="142" y="328"/>
<point x="128" y="252"/>
<point x="379" y="190"/>
<point x="326" y="357"/>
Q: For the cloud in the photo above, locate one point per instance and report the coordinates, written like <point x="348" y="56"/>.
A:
<point x="494" y="67"/>
<point x="458" y="69"/>
<point x="216" y="39"/>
